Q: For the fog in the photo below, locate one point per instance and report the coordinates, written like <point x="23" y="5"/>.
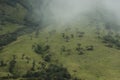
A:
<point x="113" y="6"/>
<point x="67" y="11"/>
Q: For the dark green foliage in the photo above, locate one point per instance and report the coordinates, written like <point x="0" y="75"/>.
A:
<point x="76" y="78"/>
<point x="14" y="57"/>
<point x="47" y="58"/>
<point x="56" y="72"/>
<point x="81" y="53"/>
<point x="111" y="41"/>
<point x="46" y="48"/>
<point x="33" y="66"/>
<point x="109" y="38"/>
<point x="41" y="49"/>
<point x="90" y="48"/>
<point x="2" y="63"/>
<point x="7" y="38"/>
<point x="63" y="49"/>
<point x="12" y="66"/>
<point x="63" y="35"/>
<point x="12" y="2"/>
<point x="29" y="74"/>
<point x="79" y="49"/>
<point x="67" y="38"/>
<point x="38" y="49"/>
<point x="53" y="72"/>
<point x="79" y="45"/>
<point x="23" y="55"/>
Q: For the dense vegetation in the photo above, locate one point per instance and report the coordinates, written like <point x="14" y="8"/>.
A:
<point x="7" y="38"/>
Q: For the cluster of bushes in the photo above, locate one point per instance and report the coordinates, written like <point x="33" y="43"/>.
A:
<point x="65" y="50"/>
<point x="80" y="34"/>
<point x="40" y="49"/>
<point x="10" y="65"/>
<point x="111" y="41"/>
<point x="71" y="36"/>
<point x="66" y="37"/>
<point x="2" y="63"/>
<point x="43" y="51"/>
<point x="52" y="72"/>
<point x="81" y="50"/>
<point x="7" y="38"/>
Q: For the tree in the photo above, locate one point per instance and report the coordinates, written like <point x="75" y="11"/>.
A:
<point x="90" y="48"/>
<point x="63" y="49"/>
<point x="2" y="63"/>
<point x="7" y="38"/>
<point x="47" y="58"/>
<point x="63" y="35"/>
<point x="33" y="65"/>
<point x="12" y="66"/>
<point x="52" y="72"/>
<point x="72" y="36"/>
<point x="41" y="49"/>
<point x="67" y="38"/>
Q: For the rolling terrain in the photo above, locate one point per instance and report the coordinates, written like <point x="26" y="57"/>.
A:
<point x="84" y="50"/>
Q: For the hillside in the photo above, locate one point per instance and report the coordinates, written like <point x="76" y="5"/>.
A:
<point x="86" y="50"/>
<point x="87" y="63"/>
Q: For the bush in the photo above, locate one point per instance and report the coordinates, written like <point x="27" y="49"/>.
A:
<point x="90" y="48"/>
<point x="7" y="38"/>
<point x="11" y="66"/>
<point x="41" y="49"/>
<point x="53" y="72"/>
<point x="47" y="58"/>
<point x="111" y="41"/>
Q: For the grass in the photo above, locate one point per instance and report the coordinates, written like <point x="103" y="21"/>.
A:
<point x="100" y="64"/>
<point x="9" y="28"/>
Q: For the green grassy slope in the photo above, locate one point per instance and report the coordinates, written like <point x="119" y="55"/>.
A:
<point x="11" y="17"/>
<point x="100" y="64"/>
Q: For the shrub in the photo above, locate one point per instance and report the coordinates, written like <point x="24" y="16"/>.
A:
<point x="41" y="49"/>
<point x="11" y="66"/>
<point x="53" y="72"/>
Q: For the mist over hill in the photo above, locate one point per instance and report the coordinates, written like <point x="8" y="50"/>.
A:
<point x="46" y="12"/>
<point x="60" y="11"/>
<point x="59" y="40"/>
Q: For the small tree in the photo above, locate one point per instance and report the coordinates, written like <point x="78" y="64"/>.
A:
<point x="12" y="66"/>
<point x="47" y="58"/>
<point x="2" y="63"/>
<point x="41" y="49"/>
<point x="63" y="49"/>
<point x="90" y="48"/>
<point x="72" y="36"/>
<point x="63" y="35"/>
<point x="33" y="65"/>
